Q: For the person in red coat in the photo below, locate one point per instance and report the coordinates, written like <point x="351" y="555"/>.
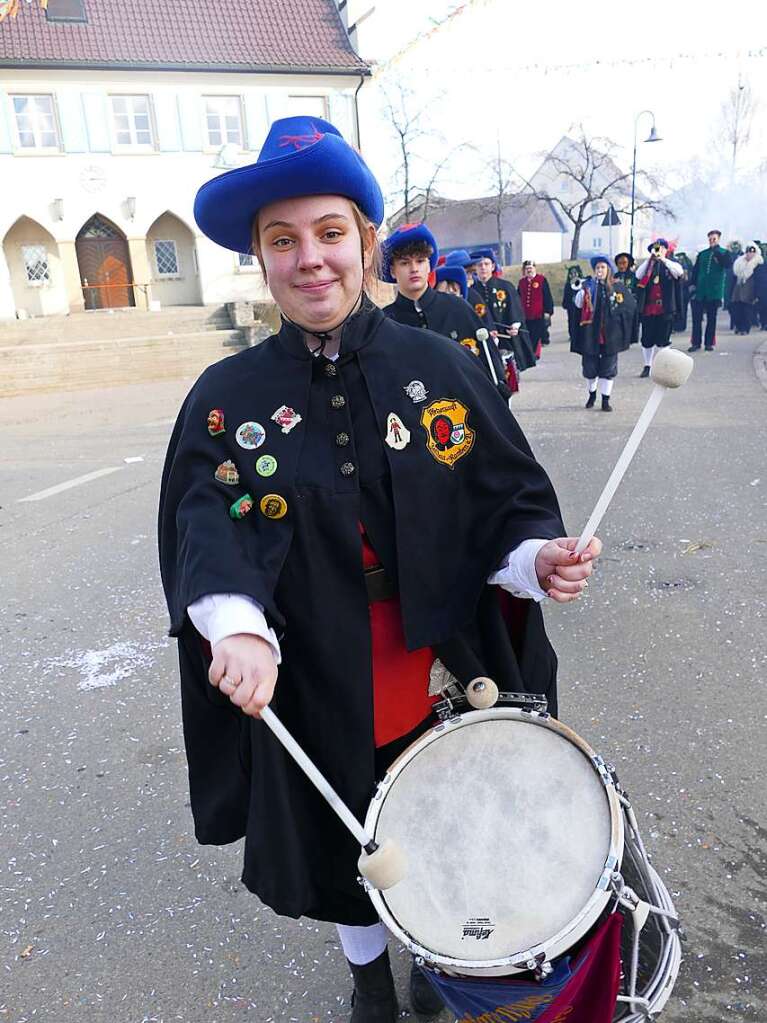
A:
<point x="537" y="303"/>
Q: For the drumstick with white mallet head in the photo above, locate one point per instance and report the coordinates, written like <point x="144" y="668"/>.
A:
<point x="382" y="865"/>
<point x="670" y="369"/>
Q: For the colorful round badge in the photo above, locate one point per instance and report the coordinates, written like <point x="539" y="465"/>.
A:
<point x="273" y="506"/>
<point x="266" y="465"/>
<point x="250" y="436"/>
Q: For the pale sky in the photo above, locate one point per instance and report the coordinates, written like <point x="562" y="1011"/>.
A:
<point x="528" y="71"/>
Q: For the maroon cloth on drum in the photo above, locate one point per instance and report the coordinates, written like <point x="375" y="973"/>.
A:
<point x="584" y="990"/>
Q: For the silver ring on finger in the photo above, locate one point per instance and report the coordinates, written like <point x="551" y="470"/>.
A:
<point x="232" y="682"/>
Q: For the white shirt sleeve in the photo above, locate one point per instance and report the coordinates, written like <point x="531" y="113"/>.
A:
<point x="674" y="268"/>
<point x="578" y="299"/>
<point x="218" y="615"/>
<point x="642" y="269"/>
<point x="517" y="573"/>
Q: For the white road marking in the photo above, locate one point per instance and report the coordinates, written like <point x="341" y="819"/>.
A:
<point x="42" y="494"/>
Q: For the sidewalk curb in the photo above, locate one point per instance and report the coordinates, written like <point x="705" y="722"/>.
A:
<point x="760" y="364"/>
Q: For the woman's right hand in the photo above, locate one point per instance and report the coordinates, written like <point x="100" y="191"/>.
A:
<point x="244" y="669"/>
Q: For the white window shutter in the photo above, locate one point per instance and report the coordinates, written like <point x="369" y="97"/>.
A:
<point x="72" y="118"/>
<point x="167" y="117"/>
<point x="190" y="113"/>
<point x="6" y="145"/>
<point x="256" y="119"/>
<point x="341" y="106"/>
<point x="96" y="123"/>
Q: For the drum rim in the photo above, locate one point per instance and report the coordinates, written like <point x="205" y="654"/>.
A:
<point x="558" y="943"/>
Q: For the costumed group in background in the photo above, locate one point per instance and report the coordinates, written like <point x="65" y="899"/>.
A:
<point x="356" y="541"/>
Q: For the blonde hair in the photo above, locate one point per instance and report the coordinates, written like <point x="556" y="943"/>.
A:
<point x="370" y="274"/>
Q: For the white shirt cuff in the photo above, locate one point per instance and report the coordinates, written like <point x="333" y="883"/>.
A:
<point x="218" y="615"/>
<point x="517" y="573"/>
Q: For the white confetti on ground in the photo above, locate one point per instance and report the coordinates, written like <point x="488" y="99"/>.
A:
<point x="99" y="668"/>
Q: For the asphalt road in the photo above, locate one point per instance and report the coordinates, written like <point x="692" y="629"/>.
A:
<point x="109" y="911"/>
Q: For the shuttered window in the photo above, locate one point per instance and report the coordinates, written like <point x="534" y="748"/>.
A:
<point x="223" y="120"/>
<point x="36" y="126"/>
<point x="132" y="122"/>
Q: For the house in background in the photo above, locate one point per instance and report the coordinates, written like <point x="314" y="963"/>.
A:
<point x="595" y="238"/>
<point x="529" y="228"/>
<point x="112" y="114"/>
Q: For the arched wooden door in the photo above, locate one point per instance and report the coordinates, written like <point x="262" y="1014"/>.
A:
<point x="104" y="261"/>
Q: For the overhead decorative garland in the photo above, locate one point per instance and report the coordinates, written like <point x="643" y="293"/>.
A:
<point x="11" y="7"/>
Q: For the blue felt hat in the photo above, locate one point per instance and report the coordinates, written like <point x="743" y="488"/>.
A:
<point x="477" y="254"/>
<point x="453" y="273"/>
<point x="301" y="156"/>
<point x="459" y="257"/>
<point x="600" y="259"/>
<point x="658" y="241"/>
<point x="406" y="234"/>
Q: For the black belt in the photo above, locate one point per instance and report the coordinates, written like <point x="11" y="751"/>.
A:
<point x="379" y="584"/>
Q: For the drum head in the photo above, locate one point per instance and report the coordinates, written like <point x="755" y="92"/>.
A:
<point x="506" y="824"/>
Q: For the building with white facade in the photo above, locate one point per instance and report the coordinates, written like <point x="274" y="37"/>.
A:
<point x="112" y="114"/>
<point x="596" y="236"/>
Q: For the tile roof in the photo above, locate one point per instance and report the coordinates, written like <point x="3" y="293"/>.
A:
<point x="227" y="35"/>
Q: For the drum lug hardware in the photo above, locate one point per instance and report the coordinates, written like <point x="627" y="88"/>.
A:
<point x="537" y="964"/>
<point x="608" y="779"/>
<point x="610" y="877"/>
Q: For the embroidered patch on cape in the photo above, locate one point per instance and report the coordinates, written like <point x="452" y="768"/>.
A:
<point x="500" y="296"/>
<point x="250" y="435"/>
<point x="397" y="434"/>
<point x="216" y="422"/>
<point x="618" y="297"/>
<point x="286" y="418"/>
<point x="470" y="343"/>
<point x="449" y="436"/>
<point x="480" y="309"/>
<point x="536" y="284"/>
<point x="416" y="391"/>
<point x="227" y="473"/>
<point x="241" y="507"/>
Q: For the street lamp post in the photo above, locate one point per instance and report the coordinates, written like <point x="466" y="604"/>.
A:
<point x="652" y="137"/>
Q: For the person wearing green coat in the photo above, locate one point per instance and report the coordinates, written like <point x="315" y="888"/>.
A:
<point x="707" y="290"/>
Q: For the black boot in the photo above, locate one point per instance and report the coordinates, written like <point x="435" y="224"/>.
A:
<point x="591" y="399"/>
<point x="645" y="372"/>
<point x="374" y="999"/>
<point x="424" y="999"/>
<point x="606" y="406"/>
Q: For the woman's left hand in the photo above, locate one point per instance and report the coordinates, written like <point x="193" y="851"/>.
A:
<point x="561" y="572"/>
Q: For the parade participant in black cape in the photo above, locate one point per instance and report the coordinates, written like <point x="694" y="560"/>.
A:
<point x="461" y="257"/>
<point x="410" y="255"/>
<point x="500" y="298"/>
<point x="283" y="480"/>
<point x="572" y="286"/>
<point x="607" y="309"/>
<point x="537" y="304"/>
<point x="680" y="320"/>
<point x="624" y="273"/>
<point x="707" y="287"/>
<point x="451" y="280"/>
<point x="660" y="297"/>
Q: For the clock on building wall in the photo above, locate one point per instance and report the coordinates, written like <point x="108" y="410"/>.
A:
<point x="93" y="178"/>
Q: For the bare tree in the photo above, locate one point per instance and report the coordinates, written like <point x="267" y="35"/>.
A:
<point x="586" y="180"/>
<point x="417" y="175"/>
<point x="738" y="112"/>
<point x="505" y="186"/>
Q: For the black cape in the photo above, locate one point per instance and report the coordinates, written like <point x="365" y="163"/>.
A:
<point x="501" y="299"/>
<point x="440" y="519"/>
<point x="450" y="316"/>
<point x="616" y="313"/>
<point x="671" y="290"/>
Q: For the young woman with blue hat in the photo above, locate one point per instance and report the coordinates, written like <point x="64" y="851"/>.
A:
<point x="607" y="310"/>
<point x="340" y="505"/>
<point x="409" y="256"/>
<point x="659" y="294"/>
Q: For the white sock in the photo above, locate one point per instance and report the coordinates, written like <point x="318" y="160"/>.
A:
<point x="605" y="387"/>
<point x="592" y="385"/>
<point x="362" y="945"/>
<point x="649" y="355"/>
